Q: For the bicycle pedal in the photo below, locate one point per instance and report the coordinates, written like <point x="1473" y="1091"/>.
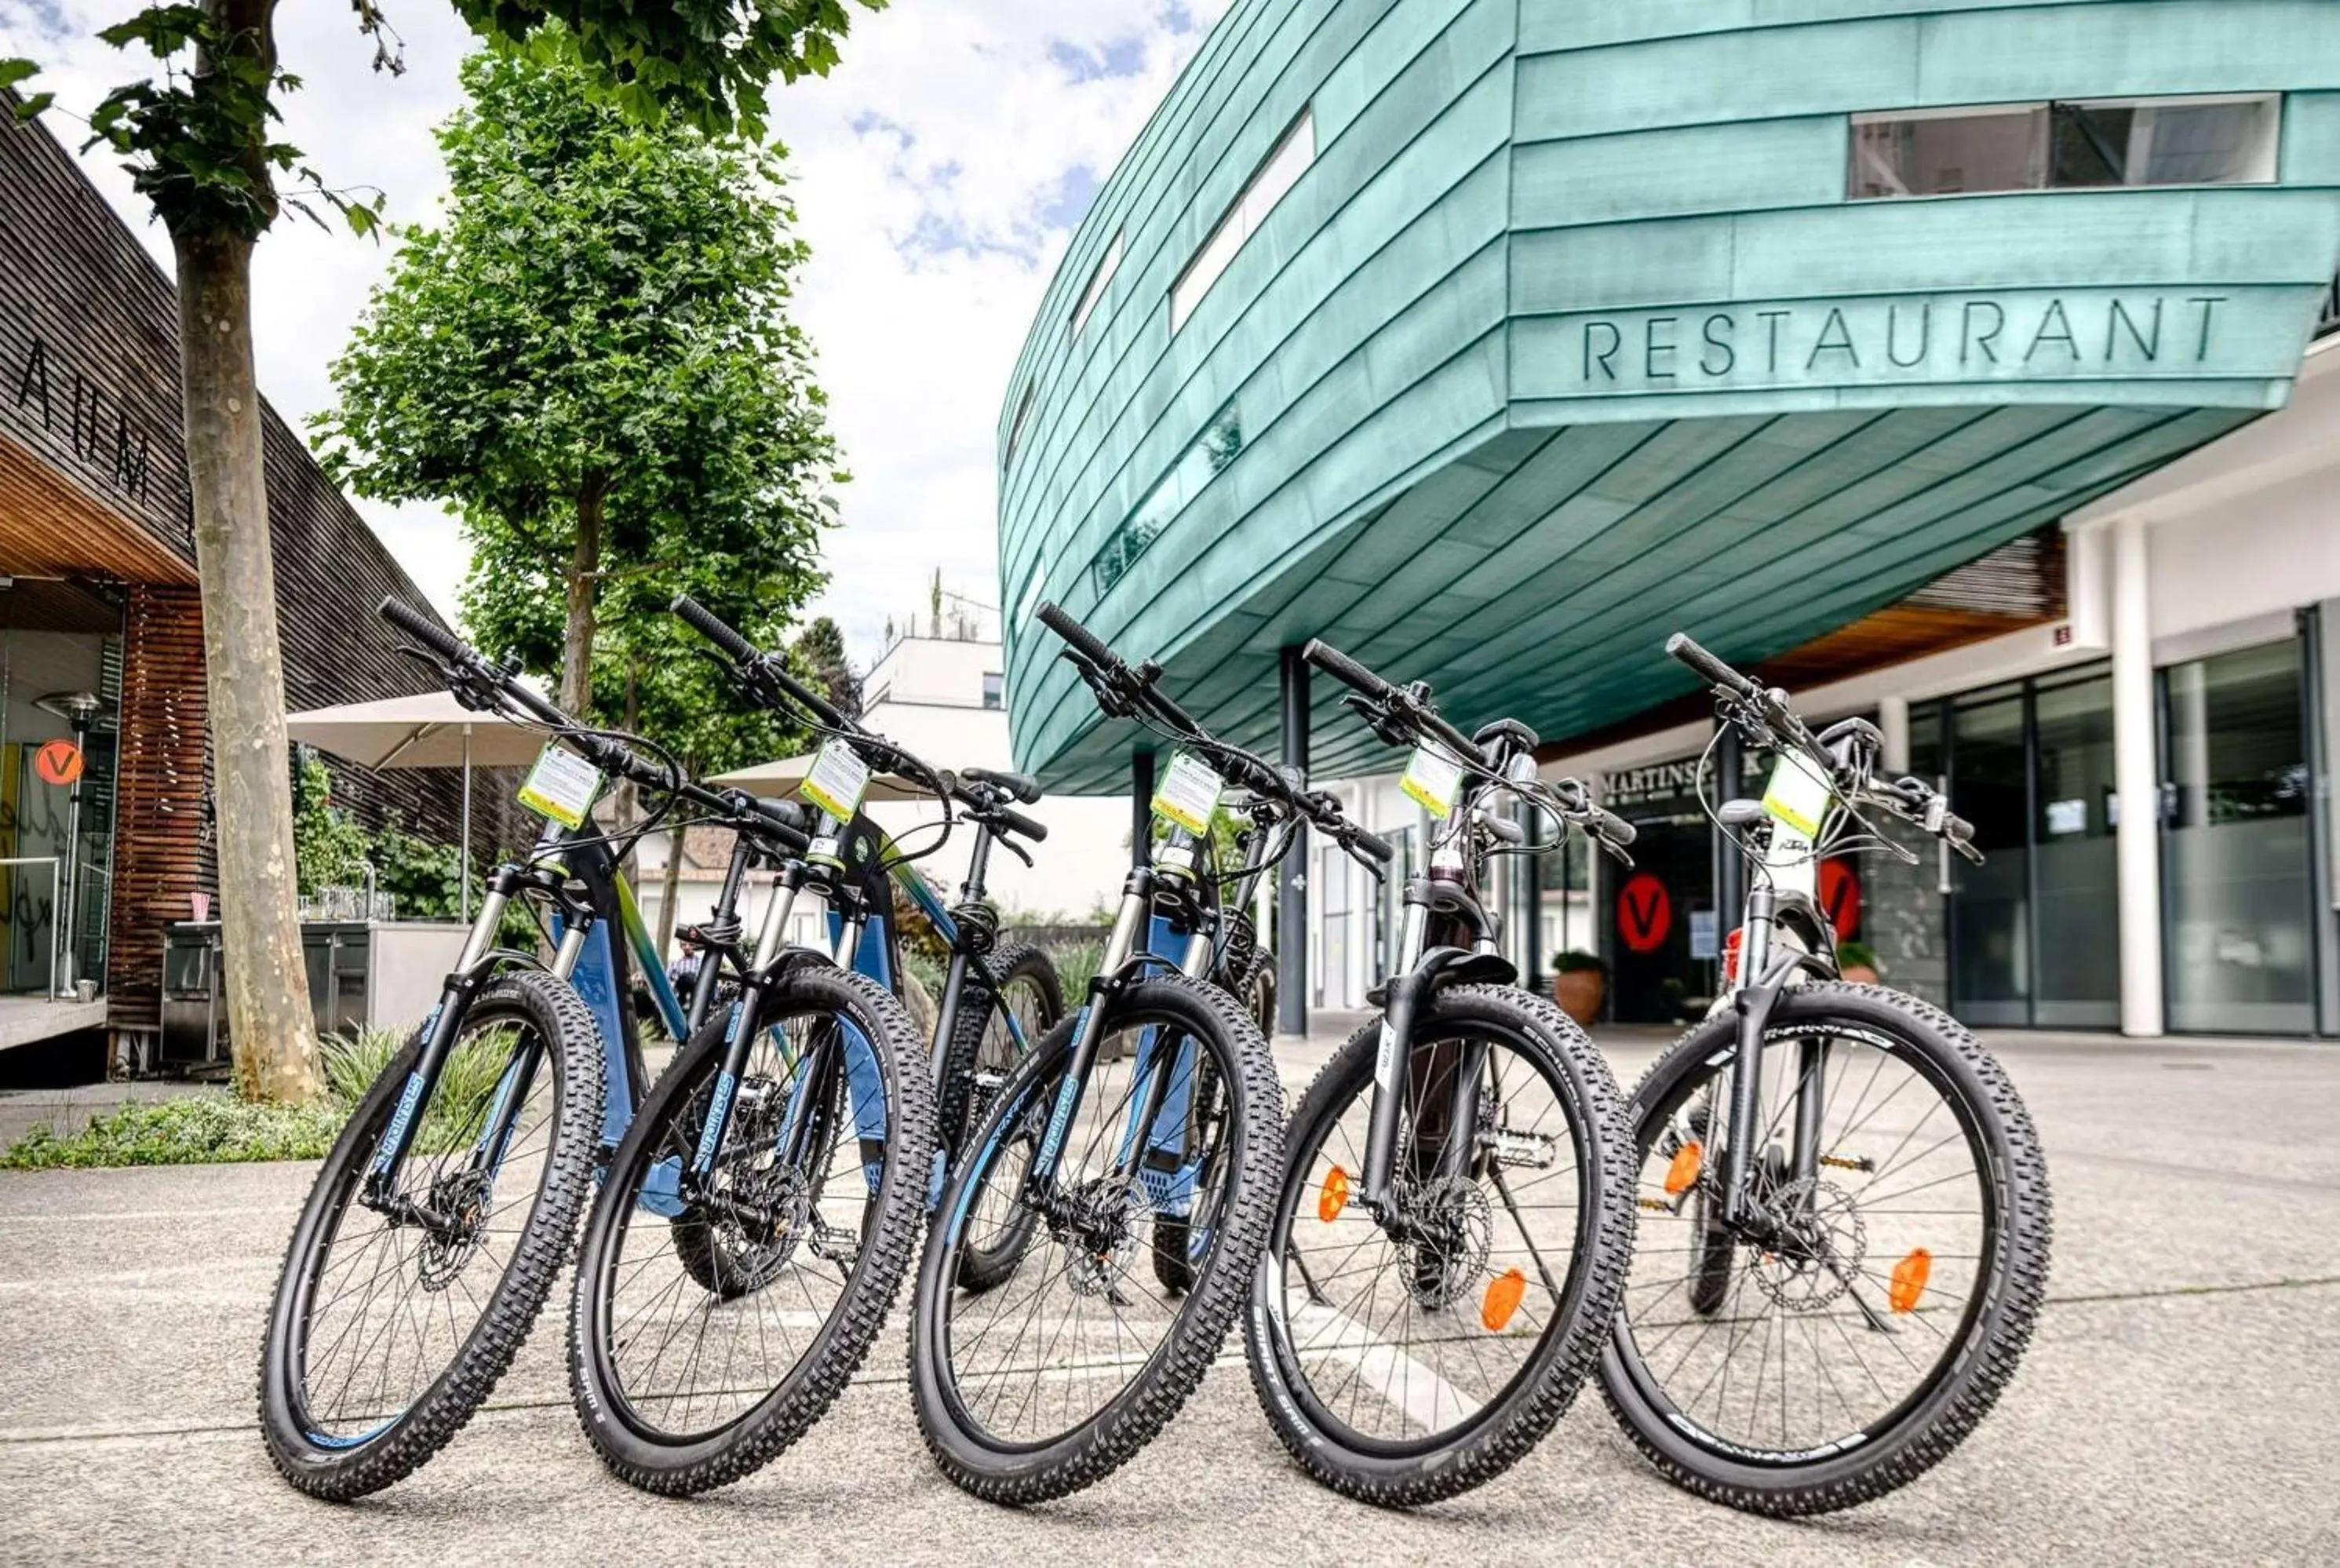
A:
<point x="1533" y="1151"/>
<point x="1848" y="1161"/>
<point x="834" y="1243"/>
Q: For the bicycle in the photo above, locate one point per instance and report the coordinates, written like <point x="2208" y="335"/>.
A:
<point x="994" y="1000"/>
<point x="432" y="1233"/>
<point x="1156" y="1101"/>
<point x="1805" y="1221"/>
<point x="1455" y="1218"/>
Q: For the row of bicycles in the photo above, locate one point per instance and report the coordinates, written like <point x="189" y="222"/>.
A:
<point x="1802" y="1259"/>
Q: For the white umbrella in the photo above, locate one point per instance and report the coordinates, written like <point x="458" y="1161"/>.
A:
<point x="431" y="730"/>
<point x="782" y="778"/>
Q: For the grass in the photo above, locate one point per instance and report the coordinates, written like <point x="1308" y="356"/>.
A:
<point x="1077" y="965"/>
<point x="213" y="1127"/>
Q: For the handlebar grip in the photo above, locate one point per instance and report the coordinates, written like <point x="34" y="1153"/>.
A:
<point x="1612" y="827"/>
<point x="1020" y="823"/>
<point x="787" y="822"/>
<point x="1082" y="641"/>
<point x="1957" y="828"/>
<point x="710" y="626"/>
<point x="1346" y="669"/>
<point x="1716" y="672"/>
<point x="1373" y="844"/>
<point x="423" y="629"/>
<point x="1021" y="786"/>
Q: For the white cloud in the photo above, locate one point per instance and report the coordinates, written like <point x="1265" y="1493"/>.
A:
<point x="937" y="175"/>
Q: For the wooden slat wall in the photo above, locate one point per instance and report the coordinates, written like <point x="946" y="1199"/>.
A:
<point x="161" y="851"/>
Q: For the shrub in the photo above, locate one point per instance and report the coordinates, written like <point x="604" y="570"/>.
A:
<point x="1856" y="956"/>
<point x="1077" y="965"/>
<point x="211" y="1128"/>
<point x="1575" y="960"/>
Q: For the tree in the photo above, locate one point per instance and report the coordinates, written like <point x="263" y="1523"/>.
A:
<point x="199" y="148"/>
<point x="590" y="360"/>
<point x="819" y="652"/>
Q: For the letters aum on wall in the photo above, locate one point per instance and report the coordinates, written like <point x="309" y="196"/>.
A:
<point x="98" y="428"/>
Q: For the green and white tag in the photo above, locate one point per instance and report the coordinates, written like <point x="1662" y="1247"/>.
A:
<point x="1189" y="793"/>
<point x="561" y="787"/>
<point x="1797" y="794"/>
<point x="836" y="780"/>
<point x="1435" y="782"/>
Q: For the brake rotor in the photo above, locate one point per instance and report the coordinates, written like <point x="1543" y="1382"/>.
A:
<point x="1448" y="1230"/>
<point x="1820" y="1251"/>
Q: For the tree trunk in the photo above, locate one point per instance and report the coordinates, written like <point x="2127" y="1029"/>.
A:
<point x="584" y="565"/>
<point x="269" y="1021"/>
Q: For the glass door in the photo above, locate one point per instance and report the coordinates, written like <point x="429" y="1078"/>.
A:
<point x="2238" y="894"/>
<point x="1990" y="903"/>
<point x="2074" y="866"/>
<point x="60" y="697"/>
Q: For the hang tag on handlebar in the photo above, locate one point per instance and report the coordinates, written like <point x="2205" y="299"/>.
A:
<point x="1434" y="782"/>
<point x="1797" y="794"/>
<point x="1188" y="794"/>
<point x="561" y="788"/>
<point x="836" y="780"/>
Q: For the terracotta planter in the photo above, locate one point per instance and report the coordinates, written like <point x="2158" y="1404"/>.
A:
<point x="1578" y="993"/>
<point x="1858" y="974"/>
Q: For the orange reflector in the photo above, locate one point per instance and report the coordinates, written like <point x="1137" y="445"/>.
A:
<point x="1503" y="1294"/>
<point x="1909" y="1279"/>
<point x="1334" y="1198"/>
<point x="1682" y="1174"/>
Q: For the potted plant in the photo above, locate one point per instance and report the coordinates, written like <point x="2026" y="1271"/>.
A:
<point x="1579" y="981"/>
<point x="1857" y="962"/>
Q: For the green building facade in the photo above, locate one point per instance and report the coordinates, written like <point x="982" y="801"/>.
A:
<point x="1492" y="340"/>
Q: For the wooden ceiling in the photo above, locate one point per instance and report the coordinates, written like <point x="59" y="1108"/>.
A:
<point x="50" y="527"/>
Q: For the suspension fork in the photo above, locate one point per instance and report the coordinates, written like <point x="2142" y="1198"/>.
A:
<point x="1088" y="1030"/>
<point x="1396" y="1041"/>
<point x="740" y="1029"/>
<point x="1753" y="1003"/>
<point x="954" y="977"/>
<point x="439" y="1033"/>
<point x="726" y="908"/>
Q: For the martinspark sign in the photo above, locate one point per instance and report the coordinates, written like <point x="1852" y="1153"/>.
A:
<point x="1884" y="341"/>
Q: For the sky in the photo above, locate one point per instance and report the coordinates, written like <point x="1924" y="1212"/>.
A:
<point x="938" y="174"/>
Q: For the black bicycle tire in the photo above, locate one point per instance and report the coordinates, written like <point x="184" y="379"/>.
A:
<point x="1521" y="1418"/>
<point x="1108" y="1439"/>
<point x="767" y="1428"/>
<point x="1964" y="1391"/>
<point x="341" y="1473"/>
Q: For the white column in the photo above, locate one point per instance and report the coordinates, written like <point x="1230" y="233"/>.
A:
<point x="2136" y="778"/>
<point x="1893" y="723"/>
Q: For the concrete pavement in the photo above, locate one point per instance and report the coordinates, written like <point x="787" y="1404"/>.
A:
<point x="2175" y="1406"/>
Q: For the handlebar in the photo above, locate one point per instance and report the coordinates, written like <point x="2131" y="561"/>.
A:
<point x="1019" y="786"/>
<point x="1680" y="646"/>
<point x="1405" y="705"/>
<point x="469" y="669"/>
<point x="753" y="660"/>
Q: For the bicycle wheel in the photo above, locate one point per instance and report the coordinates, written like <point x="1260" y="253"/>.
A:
<point x="714" y="1318"/>
<point x="1848" y="1353"/>
<point x="1409" y="1355"/>
<point x="981" y="1057"/>
<point x="1048" y="1384"/>
<point x="394" y="1318"/>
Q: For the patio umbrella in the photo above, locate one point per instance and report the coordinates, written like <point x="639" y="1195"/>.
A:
<point x="782" y="779"/>
<point x="431" y="730"/>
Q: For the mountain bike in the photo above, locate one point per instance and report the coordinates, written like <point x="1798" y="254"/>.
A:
<point x="994" y="1000"/>
<point x="1455" y="1218"/>
<point x="1150" y="1118"/>
<point x="432" y="1235"/>
<point x="1845" y="1213"/>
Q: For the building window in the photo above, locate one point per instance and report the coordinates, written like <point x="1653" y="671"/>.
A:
<point x="1278" y="174"/>
<point x="995" y="688"/>
<point x="1015" y="425"/>
<point x="2060" y="146"/>
<point x="1215" y="448"/>
<point x="1098" y="280"/>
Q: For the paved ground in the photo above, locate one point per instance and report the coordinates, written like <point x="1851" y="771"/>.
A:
<point x="2177" y="1406"/>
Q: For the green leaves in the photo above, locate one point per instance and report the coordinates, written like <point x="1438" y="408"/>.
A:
<point x="13" y="71"/>
<point x="603" y="307"/>
<point x="707" y="63"/>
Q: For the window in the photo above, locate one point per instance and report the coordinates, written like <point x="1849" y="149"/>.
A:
<point x="2064" y="146"/>
<point x="1200" y="463"/>
<point x="1016" y="426"/>
<point x="995" y="688"/>
<point x="1097" y="281"/>
<point x="1281" y="171"/>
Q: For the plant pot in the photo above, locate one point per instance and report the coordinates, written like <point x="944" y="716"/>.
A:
<point x="1578" y="994"/>
<point x="1858" y="974"/>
